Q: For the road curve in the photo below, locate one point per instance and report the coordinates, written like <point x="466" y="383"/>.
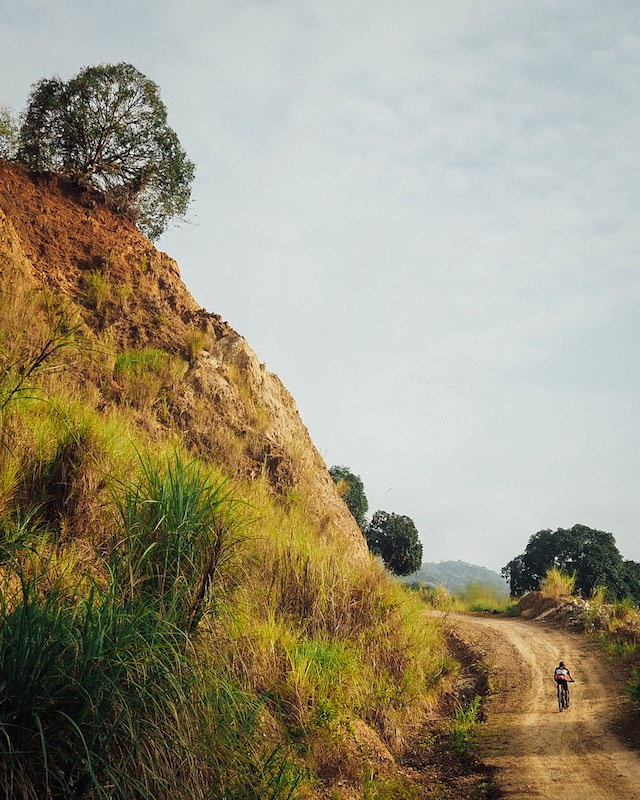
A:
<point x="539" y="752"/>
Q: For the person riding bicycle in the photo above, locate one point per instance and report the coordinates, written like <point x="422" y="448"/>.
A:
<point x="562" y="677"/>
<point x="561" y="674"/>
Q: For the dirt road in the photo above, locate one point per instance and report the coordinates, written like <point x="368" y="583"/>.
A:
<point x="539" y="752"/>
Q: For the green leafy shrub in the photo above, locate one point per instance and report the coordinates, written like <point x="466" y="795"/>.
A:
<point x="633" y="686"/>
<point x="8" y="133"/>
<point x="464" y="726"/>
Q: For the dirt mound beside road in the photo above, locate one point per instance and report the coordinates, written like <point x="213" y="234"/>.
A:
<point x="536" y="603"/>
<point x="577" y="614"/>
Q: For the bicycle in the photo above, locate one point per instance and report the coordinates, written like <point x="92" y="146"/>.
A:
<point x="563" y="694"/>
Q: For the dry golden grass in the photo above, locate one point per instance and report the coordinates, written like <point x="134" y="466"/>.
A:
<point x="557" y="583"/>
<point x="322" y="641"/>
<point x="195" y="342"/>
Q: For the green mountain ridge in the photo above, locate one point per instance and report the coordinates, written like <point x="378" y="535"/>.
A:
<point x="456" y="576"/>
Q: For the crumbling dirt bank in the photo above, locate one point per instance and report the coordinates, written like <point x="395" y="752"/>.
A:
<point x="537" y="751"/>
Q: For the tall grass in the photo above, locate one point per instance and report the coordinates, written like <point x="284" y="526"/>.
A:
<point x="152" y="642"/>
<point x="178" y="528"/>
<point x="195" y="342"/>
<point x="474" y="597"/>
<point x="478" y="597"/>
<point x="97" y="289"/>
<point x="23" y="362"/>
<point x="89" y="686"/>
<point x="102" y="691"/>
<point x="557" y="583"/>
<point x="105" y="699"/>
<point x="464" y="726"/>
<point x="333" y="638"/>
<point x="147" y="375"/>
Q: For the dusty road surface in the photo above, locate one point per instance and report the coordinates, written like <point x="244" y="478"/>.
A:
<point x="539" y="752"/>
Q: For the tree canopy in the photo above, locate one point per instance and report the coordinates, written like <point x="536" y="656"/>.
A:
<point x="590" y="555"/>
<point x="395" y="539"/>
<point x="107" y="129"/>
<point x="351" y="489"/>
<point x="8" y="133"/>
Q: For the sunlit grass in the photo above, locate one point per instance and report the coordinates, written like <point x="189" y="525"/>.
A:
<point x="147" y="374"/>
<point x="474" y="597"/>
<point x="477" y="597"/>
<point x="166" y="632"/>
<point x="557" y="583"/>
<point x="464" y="726"/>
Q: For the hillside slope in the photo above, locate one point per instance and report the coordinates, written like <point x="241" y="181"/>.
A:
<point x="174" y="556"/>
<point x="129" y="297"/>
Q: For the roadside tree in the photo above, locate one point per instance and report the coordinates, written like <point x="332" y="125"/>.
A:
<point x="395" y="539"/>
<point x="107" y="129"/>
<point x="590" y="555"/>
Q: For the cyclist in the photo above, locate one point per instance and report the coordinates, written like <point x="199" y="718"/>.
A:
<point x="562" y="676"/>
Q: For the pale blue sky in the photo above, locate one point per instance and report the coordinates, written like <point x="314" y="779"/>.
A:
<point x="423" y="217"/>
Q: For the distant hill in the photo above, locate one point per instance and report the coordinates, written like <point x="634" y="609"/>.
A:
<point x="456" y="576"/>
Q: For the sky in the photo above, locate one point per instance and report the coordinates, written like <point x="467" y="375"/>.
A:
<point x="423" y="216"/>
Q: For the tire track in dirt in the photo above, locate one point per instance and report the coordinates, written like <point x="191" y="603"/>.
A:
<point x="539" y="752"/>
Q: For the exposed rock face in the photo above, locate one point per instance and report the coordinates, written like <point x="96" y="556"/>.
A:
<point x="56" y="237"/>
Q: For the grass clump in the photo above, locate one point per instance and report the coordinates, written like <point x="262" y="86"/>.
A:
<point x="104" y="691"/>
<point x="335" y="639"/>
<point x="633" y="685"/>
<point x="464" y="727"/>
<point x="195" y="342"/>
<point x="389" y="788"/>
<point x="438" y="597"/>
<point x="557" y="583"/>
<point x="478" y="597"/>
<point x="76" y="708"/>
<point x="473" y="598"/>
<point x="97" y="289"/>
<point x="148" y="375"/>
<point x="178" y="527"/>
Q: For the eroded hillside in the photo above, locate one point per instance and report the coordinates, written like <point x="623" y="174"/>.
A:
<point x="175" y="546"/>
<point x="130" y="299"/>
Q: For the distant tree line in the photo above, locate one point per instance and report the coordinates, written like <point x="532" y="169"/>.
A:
<point x="393" y="537"/>
<point x="591" y="556"/>
<point x="105" y="129"/>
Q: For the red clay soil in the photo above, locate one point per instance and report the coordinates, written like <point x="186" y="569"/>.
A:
<point x="67" y="233"/>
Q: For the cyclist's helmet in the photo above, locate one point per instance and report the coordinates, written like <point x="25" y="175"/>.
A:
<point x="561" y="664"/>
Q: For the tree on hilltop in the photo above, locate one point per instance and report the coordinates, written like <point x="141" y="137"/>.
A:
<point x="395" y="539"/>
<point x="107" y="129"/>
<point x="351" y="489"/>
<point x="8" y="133"/>
<point x="590" y="555"/>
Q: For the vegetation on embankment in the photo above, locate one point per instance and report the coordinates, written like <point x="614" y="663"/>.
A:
<point x="474" y="597"/>
<point x="167" y="630"/>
